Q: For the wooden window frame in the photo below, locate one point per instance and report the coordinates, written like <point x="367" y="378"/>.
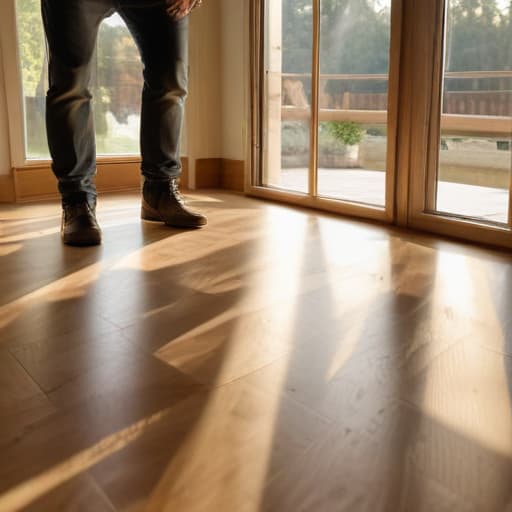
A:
<point x="310" y="199"/>
<point x="424" y="131"/>
<point x="414" y="123"/>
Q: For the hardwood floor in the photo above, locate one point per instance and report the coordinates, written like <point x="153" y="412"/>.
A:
<point x="280" y="360"/>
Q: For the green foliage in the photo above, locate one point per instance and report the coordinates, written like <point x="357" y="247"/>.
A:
<point x="31" y="45"/>
<point x="479" y="36"/>
<point x="376" y="132"/>
<point x="346" y="132"/>
<point x="355" y="39"/>
<point x="294" y="137"/>
<point x="333" y="137"/>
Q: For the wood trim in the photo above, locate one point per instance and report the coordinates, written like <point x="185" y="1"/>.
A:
<point x="220" y="173"/>
<point x="435" y="113"/>
<point x="256" y="81"/>
<point x="35" y="181"/>
<point x="464" y="229"/>
<point x="208" y="172"/>
<point x="393" y="108"/>
<point x="315" y="102"/>
<point x="325" y="114"/>
<point x="364" y="211"/>
<point x="185" y="174"/>
<point x="483" y="126"/>
<point x="404" y="117"/>
<point x="7" y="194"/>
<point x="232" y="175"/>
<point x="425" y="37"/>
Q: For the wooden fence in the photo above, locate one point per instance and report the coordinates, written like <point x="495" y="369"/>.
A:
<point x="477" y="112"/>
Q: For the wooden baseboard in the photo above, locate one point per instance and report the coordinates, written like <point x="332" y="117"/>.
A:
<point x="220" y="173"/>
<point x="233" y="174"/>
<point x="7" y="189"/>
<point x="37" y="182"/>
<point x="208" y="172"/>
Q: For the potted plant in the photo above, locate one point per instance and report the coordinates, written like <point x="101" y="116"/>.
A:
<point x="339" y="144"/>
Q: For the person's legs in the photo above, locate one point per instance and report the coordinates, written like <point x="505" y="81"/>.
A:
<point x="163" y="45"/>
<point x="71" y="28"/>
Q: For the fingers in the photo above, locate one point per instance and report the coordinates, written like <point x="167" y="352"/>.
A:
<point x="178" y="9"/>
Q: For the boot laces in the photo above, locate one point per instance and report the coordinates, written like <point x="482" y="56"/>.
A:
<point x="176" y="192"/>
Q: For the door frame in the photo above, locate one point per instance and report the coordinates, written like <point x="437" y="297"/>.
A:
<point x="414" y="114"/>
<point x="425" y="127"/>
<point x="310" y="199"/>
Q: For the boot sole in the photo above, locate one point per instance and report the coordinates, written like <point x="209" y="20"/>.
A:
<point x="83" y="239"/>
<point x="150" y="214"/>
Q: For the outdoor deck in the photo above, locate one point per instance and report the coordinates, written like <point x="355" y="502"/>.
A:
<point x="369" y="187"/>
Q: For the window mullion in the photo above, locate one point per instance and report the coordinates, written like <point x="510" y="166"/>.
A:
<point x="315" y="86"/>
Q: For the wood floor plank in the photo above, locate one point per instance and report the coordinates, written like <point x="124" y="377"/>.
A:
<point x="55" y="361"/>
<point x="278" y="360"/>
<point x="81" y="494"/>
<point x="16" y="386"/>
<point x="244" y="430"/>
<point x="406" y="458"/>
<point x="22" y="401"/>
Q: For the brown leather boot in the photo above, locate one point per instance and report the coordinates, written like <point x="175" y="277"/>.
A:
<point x="162" y="201"/>
<point x="79" y="225"/>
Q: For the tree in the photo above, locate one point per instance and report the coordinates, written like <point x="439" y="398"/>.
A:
<point x="31" y="44"/>
<point x="355" y="38"/>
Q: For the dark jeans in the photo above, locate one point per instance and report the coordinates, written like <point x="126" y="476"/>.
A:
<point x="71" y="29"/>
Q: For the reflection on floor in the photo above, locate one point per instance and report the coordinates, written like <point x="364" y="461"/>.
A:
<point x="278" y="360"/>
<point x="369" y="187"/>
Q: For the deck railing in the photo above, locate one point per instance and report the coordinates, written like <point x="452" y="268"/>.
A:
<point x="469" y="112"/>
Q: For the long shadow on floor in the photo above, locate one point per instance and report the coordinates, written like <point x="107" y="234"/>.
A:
<point x="90" y="349"/>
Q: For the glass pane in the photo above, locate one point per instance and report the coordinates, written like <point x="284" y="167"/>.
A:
<point x="32" y="49"/>
<point x="354" y="69"/>
<point x="475" y="157"/>
<point x="117" y="88"/>
<point x="288" y="63"/>
<point x="115" y="84"/>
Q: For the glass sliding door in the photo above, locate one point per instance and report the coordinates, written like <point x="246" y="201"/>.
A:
<point x="288" y="93"/>
<point x="388" y="109"/>
<point x="457" y="145"/>
<point x="353" y="100"/>
<point x="324" y="111"/>
<point x="474" y="165"/>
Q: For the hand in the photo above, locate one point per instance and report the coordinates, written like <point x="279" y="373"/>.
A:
<point x="178" y="9"/>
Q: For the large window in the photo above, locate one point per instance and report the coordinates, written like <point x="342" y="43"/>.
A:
<point x="388" y="109"/>
<point x="115" y="85"/>
<point x="475" y="157"/>
<point x="325" y="120"/>
<point x="353" y="87"/>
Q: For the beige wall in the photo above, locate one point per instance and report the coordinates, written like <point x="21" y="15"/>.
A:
<point x="217" y="120"/>
<point x="234" y="43"/>
<point x="204" y="113"/>
<point x="5" y="157"/>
